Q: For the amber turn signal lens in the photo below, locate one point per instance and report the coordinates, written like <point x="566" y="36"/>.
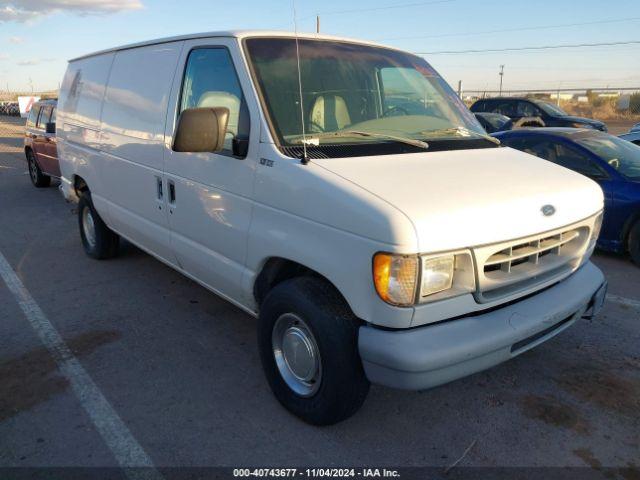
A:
<point x="381" y="270"/>
<point x="395" y="278"/>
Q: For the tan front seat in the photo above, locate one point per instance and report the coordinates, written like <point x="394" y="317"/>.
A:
<point x="330" y="113"/>
<point x="223" y="99"/>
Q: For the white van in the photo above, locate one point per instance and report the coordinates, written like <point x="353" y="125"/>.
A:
<point x="340" y="192"/>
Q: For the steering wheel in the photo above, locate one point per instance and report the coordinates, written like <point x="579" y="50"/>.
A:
<point x="388" y="113"/>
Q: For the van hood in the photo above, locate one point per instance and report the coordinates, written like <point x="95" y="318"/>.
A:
<point x="465" y="198"/>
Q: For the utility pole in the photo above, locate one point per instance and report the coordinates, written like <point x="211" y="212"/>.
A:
<point x="460" y="88"/>
<point x="317" y="23"/>
<point x="501" y="77"/>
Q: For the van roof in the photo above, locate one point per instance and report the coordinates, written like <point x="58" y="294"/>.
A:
<point x="239" y="34"/>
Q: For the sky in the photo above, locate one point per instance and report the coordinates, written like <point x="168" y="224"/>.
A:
<point x="37" y="37"/>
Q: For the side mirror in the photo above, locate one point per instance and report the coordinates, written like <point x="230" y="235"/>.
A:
<point x="201" y="130"/>
<point x="50" y="127"/>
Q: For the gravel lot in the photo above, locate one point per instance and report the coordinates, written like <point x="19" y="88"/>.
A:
<point x="180" y="367"/>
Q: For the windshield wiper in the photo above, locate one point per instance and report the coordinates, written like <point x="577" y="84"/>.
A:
<point x="311" y="139"/>
<point x="464" y="132"/>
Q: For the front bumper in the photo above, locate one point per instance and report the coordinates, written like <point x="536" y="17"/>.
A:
<point x="425" y="357"/>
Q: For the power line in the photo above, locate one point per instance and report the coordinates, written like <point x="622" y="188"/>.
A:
<point x="521" y="29"/>
<point x="554" y="90"/>
<point x="519" y="49"/>
<point x="387" y="7"/>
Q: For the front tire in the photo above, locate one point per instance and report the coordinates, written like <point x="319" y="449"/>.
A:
<point x="634" y="243"/>
<point x="98" y="240"/>
<point x="39" y="179"/>
<point x="308" y="342"/>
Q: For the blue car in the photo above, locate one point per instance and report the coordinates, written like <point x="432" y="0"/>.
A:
<point x="612" y="162"/>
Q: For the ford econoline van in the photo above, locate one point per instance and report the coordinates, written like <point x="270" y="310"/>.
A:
<point x="340" y="192"/>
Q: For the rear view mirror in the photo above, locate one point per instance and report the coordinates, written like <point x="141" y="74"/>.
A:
<point x="50" y="127"/>
<point x="201" y="130"/>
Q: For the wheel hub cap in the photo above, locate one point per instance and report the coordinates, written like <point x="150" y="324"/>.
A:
<point x="296" y="354"/>
<point x="88" y="227"/>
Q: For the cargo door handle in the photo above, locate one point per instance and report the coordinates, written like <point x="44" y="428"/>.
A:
<point x="172" y="192"/>
<point x="159" y="188"/>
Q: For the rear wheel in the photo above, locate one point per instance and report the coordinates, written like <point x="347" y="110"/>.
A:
<point x="308" y="341"/>
<point x="634" y="243"/>
<point x="39" y="179"/>
<point x="98" y="240"/>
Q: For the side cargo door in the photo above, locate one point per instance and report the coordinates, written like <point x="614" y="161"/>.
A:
<point x="209" y="194"/>
<point x="132" y="143"/>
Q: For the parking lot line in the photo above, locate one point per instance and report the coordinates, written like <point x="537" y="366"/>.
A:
<point x="624" y="301"/>
<point x="127" y="451"/>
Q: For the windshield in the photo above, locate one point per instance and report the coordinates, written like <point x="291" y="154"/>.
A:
<point x="622" y="155"/>
<point x="349" y="88"/>
<point x="551" y="109"/>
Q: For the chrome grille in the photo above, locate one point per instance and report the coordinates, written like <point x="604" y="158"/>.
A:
<point x="532" y="252"/>
<point x="528" y="263"/>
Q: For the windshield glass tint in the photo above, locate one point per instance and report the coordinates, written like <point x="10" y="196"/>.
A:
<point x="551" y="109"/>
<point x="622" y="155"/>
<point x="350" y="87"/>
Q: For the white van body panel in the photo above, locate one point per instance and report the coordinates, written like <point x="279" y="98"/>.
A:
<point x="455" y="201"/>
<point x="211" y="215"/>
<point x="309" y="215"/>
<point x="78" y="124"/>
<point x="132" y="143"/>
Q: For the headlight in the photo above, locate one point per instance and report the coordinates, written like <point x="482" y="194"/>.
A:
<point x="396" y="277"/>
<point x="446" y="275"/>
<point x="437" y="274"/>
<point x="582" y="125"/>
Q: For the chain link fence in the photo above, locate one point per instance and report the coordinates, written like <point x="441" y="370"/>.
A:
<point x="11" y="135"/>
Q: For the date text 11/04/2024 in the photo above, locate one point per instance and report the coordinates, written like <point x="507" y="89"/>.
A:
<point x="316" y="472"/>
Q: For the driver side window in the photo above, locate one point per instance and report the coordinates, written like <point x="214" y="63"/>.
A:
<point x="210" y="80"/>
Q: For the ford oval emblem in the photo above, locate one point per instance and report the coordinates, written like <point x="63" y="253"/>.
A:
<point x="548" y="210"/>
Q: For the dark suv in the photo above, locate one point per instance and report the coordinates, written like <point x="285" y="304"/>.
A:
<point x="40" y="145"/>
<point x="550" y="114"/>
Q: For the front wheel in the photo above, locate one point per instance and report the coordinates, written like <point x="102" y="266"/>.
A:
<point x="39" y="179"/>
<point x="308" y="341"/>
<point x="634" y="243"/>
<point x="98" y="240"/>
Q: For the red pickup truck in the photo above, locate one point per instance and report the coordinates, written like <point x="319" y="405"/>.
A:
<point x="40" y="143"/>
